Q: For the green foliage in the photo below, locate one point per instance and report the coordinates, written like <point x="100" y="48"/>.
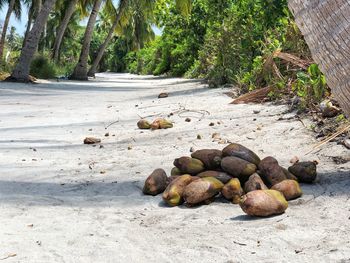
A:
<point x="310" y="85"/>
<point x="42" y="68"/>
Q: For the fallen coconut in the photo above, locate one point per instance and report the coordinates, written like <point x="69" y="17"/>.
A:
<point x="254" y="183"/>
<point x="210" y="157"/>
<point x="306" y="172"/>
<point x="289" y="188"/>
<point x="221" y="176"/>
<point x="238" y="168"/>
<point x="143" y="124"/>
<point x="156" y="182"/>
<point x="188" y="165"/>
<point x="176" y="171"/>
<point x="201" y="190"/>
<point x="271" y="172"/>
<point x="289" y="175"/>
<point x="242" y="152"/>
<point x="161" y="124"/>
<point x="173" y="194"/>
<point x="233" y="191"/>
<point x="263" y="203"/>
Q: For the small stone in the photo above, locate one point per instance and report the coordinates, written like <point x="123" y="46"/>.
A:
<point x="192" y="149"/>
<point x="129" y="148"/>
<point x="256" y="111"/>
<point x="102" y="172"/>
<point x="211" y="124"/>
<point x="187" y="120"/>
<point x="347" y="143"/>
<point x="199" y="137"/>
<point x="107" y="134"/>
<point x="163" y="95"/>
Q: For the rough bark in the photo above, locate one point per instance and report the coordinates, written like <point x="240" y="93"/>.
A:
<point x="81" y="69"/>
<point x="5" y="26"/>
<point x="62" y="29"/>
<point x="104" y="45"/>
<point x="21" y="71"/>
<point x="326" y="27"/>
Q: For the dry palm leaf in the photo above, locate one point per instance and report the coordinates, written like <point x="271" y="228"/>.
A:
<point x="256" y="96"/>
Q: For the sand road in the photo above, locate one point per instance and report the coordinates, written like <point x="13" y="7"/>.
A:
<point x="62" y="201"/>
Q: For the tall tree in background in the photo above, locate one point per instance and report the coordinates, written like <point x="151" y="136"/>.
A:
<point x="81" y="69"/>
<point x="122" y="6"/>
<point x="14" y="6"/>
<point x="21" y="71"/>
<point x="326" y="28"/>
<point x="69" y="11"/>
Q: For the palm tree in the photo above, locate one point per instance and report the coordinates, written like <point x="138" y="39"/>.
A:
<point x="326" y="26"/>
<point x="140" y="13"/>
<point x="33" y="10"/>
<point x="81" y="69"/>
<point x="21" y="71"/>
<point x="122" y="5"/>
<point x="14" y="6"/>
<point x="69" y="11"/>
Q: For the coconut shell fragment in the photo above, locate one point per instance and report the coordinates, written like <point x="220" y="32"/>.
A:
<point x="233" y="191"/>
<point x="264" y="203"/>
<point x="156" y="183"/>
<point x="201" y="190"/>
<point x="221" y="176"/>
<point x="238" y="167"/>
<point x="188" y="165"/>
<point x="289" y="188"/>
<point x="306" y="172"/>
<point x="173" y="194"/>
<point x="240" y="151"/>
<point x="210" y="157"/>
<point x="91" y="140"/>
<point x="254" y="183"/>
<point x="271" y="172"/>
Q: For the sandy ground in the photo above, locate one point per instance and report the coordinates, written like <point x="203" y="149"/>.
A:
<point x="57" y="206"/>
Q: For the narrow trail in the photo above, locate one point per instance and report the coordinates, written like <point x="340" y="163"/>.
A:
<point x="62" y="201"/>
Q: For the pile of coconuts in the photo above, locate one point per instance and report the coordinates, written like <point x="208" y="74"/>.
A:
<point x="260" y="187"/>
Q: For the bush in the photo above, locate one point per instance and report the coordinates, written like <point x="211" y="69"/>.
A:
<point x="42" y="68"/>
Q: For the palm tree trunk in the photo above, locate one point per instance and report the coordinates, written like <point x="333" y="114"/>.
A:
<point x="104" y="45"/>
<point x="29" y="25"/>
<point x="62" y="29"/>
<point x="4" y="28"/>
<point x="21" y="71"/>
<point x="80" y="71"/>
<point x="326" y="28"/>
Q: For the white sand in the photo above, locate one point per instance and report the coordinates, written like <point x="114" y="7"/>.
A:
<point x="53" y="208"/>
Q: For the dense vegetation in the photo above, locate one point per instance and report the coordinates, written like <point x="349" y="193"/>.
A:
<point x="223" y="41"/>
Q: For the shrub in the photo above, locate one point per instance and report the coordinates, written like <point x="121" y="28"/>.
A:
<point x="42" y="68"/>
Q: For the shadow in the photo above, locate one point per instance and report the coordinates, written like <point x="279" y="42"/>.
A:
<point x="252" y="218"/>
<point x="72" y="194"/>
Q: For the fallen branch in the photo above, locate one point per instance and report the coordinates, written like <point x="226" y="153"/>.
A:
<point x="256" y="96"/>
<point x="304" y="64"/>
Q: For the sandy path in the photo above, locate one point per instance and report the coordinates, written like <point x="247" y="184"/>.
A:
<point x="54" y="208"/>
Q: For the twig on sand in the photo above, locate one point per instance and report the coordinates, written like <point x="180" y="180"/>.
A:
<point x="9" y="256"/>
<point x="182" y="113"/>
<point x="109" y="125"/>
<point x="238" y="243"/>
